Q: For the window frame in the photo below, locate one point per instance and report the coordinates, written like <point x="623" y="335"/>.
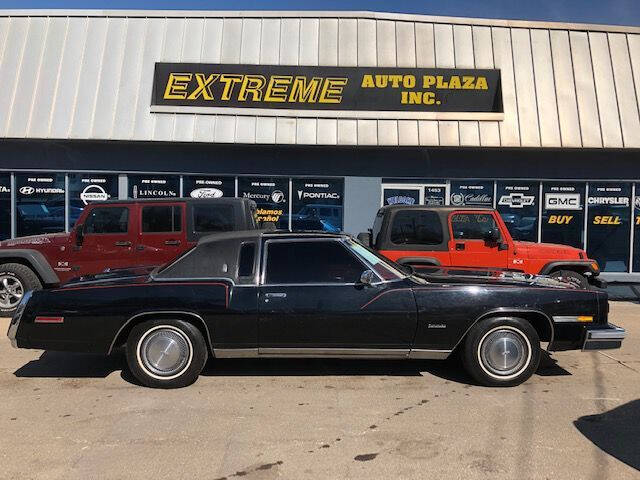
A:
<point x="173" y="205"/>
<point x="265" y="256"/>
<point x="129" y="217"/>
<point x="417" y="212"/>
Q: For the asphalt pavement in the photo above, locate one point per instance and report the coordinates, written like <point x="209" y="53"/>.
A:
<point x="68" y="416"/>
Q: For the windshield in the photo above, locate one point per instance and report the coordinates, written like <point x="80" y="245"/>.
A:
<point x="384" y="267"/>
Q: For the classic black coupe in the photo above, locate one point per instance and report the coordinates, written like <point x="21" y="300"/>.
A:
<point x="282" y="294"/>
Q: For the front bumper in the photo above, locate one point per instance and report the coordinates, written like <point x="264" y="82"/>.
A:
<point x="607" y="338"/>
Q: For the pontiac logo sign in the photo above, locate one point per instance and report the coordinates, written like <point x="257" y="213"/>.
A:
<point x="211" y="88"/>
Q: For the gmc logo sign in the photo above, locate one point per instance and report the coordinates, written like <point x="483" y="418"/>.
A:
<point x="562" y="201"/>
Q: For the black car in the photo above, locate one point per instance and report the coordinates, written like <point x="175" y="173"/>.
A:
<point x="282" y="294"/>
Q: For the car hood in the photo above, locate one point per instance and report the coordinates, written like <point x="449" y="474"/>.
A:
<point x="48" y="239"/>
<point x="120" y="276"/>
<point x="547" y="251"/>
<point x="489" y="277"/>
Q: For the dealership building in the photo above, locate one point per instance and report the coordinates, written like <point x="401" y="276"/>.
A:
<point x="322" y="117"/>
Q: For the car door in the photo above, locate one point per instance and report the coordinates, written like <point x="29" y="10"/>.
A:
<point x="468" y="245"/>
<point x="311" y="303"/>
<point x="162" y="232"/>
<point x="107" y="240"/>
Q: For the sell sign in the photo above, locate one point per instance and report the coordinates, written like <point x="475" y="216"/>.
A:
<point x="281" y="89"/>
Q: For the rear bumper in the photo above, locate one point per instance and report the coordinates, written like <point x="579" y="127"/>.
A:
<point x="607" y="338"/>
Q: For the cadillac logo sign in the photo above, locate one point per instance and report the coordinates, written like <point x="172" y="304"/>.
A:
<point x="336" y="91"/>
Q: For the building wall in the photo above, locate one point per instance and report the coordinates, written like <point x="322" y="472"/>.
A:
<point x="88" y="75"/>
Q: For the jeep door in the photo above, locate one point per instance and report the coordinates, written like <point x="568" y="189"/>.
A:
<point x="312" y="303"/>
<point x="162" y="232"/>
<point x="107" y="240"/>
<point x="468" y="244"/>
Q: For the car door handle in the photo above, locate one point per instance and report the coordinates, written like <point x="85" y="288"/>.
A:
<point x="275" y="295"/>
<point x="172" y="242"/>
<point x="123" y="244"/>
<point x="459" y="246"/>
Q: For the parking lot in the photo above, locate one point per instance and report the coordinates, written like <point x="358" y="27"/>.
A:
<point x="77" y="416"/>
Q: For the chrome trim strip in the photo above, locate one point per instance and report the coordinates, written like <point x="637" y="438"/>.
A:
<point x="334" y="352"/>
<point x="235" y="352"/>
<point x="571" y="318"/>
<point x="614" y="333"/>
<point x="160" y="312"/>
<point x="422" y="354"/>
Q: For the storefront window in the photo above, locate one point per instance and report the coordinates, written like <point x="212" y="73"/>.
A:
<point x="5" y="206"/>
<point x="518" y="204"/>
<point x="39" y="203"/>
<point x="636" y="230"/>
<point x="563" y="213"/>
<point x="271" y="195"/>
<point x="153" y="186"/>
<point x="208" y="187"/>
<point x="471" y="193"/>
<point x="435" y="195"/>
<point x="85" y="188"/>
<point x="608" y="225"/>
<point x="317" y="204"/>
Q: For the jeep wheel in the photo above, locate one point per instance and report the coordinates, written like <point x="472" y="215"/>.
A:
<point x="15" y="280"/>
<point x="501" y="352"/>
<point x="573" y="277"/>
<point x="166" y="353"/>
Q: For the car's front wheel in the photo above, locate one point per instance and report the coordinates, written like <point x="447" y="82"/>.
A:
<point x="166" y="353"/>
<point x="501" y="351"/>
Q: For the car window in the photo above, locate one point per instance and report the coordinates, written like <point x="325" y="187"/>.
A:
<point x="161" y="218"/>
<point x="301" y="262"/>
<point x="472" y="226"/>
<point x="377" y="226"/>
<point x="213" y="218"/>
<point x="246" y="260"/>
<point x="415" y="227"/>
<point x="107" y="220"/>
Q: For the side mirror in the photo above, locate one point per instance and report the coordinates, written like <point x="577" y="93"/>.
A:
<point x="365" y="239"/>
<point x="492" y="236"/>
<point x="79" y="234"/>
<point x="367" y="278"/>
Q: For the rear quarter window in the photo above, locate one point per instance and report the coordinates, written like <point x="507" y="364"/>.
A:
<point x="213" y="218"/>
<point x="415" y="227"/>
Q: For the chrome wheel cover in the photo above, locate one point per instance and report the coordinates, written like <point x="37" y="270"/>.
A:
<point x="504" y="352"/>
<point x="11" y="291"/>
<point x="164" y="352"/>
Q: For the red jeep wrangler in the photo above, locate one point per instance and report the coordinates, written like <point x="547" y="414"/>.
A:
<point x="470" y="237"/>
<point x="115" y="234"/>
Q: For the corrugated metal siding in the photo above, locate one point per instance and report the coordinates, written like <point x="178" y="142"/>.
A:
<point x="90" y="77"/>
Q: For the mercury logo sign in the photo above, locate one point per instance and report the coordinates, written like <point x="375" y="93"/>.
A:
<point x="277" y="196"/>
<point x="516" y="200"/>
<point x="562" y="201"/>
<point x="93" y="193"/>
<point x="206" y="193"/>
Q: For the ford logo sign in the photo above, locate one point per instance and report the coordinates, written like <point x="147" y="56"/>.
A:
<point x="27" y="190"/>
<point x="207" y="193"/>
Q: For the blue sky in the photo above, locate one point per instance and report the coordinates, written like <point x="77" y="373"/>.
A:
<point x="624" y="12"/>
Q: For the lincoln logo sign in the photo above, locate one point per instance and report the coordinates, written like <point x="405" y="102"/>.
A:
<point x="355" y="91"/>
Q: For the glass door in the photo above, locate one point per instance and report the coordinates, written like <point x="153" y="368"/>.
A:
<point x="432" y="194"/>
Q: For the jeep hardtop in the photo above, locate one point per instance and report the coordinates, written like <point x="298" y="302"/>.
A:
<point x="115" y="234"/>
<point x="470" y="237"/>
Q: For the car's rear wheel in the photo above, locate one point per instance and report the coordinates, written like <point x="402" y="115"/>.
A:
<point x="572" y="276"/>
<point x="15" y="280"/>
<point x="166" y="353"/>
<point x="501" y="351"/>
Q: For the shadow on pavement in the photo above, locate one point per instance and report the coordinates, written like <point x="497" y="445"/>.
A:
<point x="617" y="432"/>
<point x="68" y="365"/>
